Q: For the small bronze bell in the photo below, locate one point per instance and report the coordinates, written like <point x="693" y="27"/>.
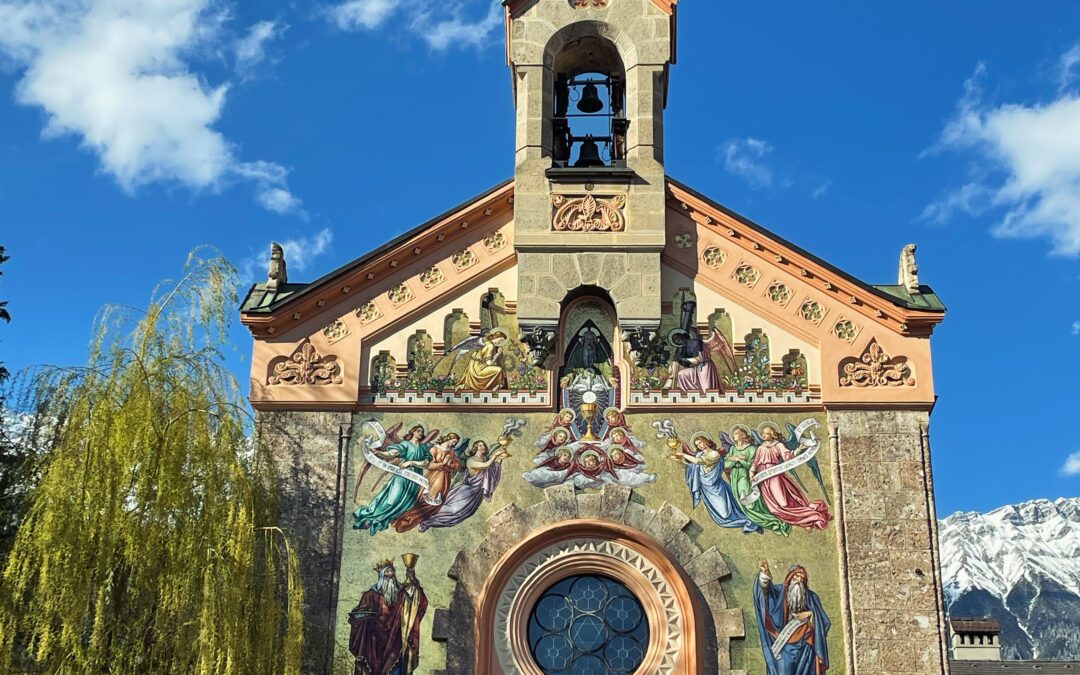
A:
<point x="590" y="100"/>
<point x="589" y="155"/>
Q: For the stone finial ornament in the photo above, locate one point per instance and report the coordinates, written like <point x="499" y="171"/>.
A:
<point x="277" y="274"/>
<point x="908" y="276"/>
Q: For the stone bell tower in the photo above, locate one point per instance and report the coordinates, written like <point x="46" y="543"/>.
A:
<point x="590" y="84"/>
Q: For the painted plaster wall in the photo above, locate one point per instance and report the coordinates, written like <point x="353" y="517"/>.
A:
<point x="817" y="551"/>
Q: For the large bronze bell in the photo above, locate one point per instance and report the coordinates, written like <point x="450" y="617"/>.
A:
<point x="590" y="100"/>
<point x="589" y="155"/>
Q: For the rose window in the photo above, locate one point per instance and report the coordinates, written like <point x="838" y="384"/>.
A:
<point x="588" y="625"/>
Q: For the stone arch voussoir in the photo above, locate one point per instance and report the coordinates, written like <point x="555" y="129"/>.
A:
<point x="705" y="571"/>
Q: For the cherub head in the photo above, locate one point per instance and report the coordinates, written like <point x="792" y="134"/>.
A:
<point x="618" y="436"/>
<point x="612" y="416"/>
<point x="566" y="415"/>
<point x="616" y="455"/>
<point x="560" y="437"/>
<point x="563" y="455"/>
<point x="590" y="460"/>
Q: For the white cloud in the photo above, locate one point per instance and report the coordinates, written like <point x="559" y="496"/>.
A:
<point x="442" y="25"/>
<point x="113" y="73"/>
<point x="972" y="199"/>
<point x="1076" y="328"/>
<point x="454" y="31"/>
<point x="1069" y="61"/>
<point x="251" y="49"/>
<point x="1071" y="467"/>
<point x="743" y="157"/>
<point x="357" y="14"/>
<point x="821" y="190"/>
<point x="1036" y="148"/>
<point x="299" y="254"/>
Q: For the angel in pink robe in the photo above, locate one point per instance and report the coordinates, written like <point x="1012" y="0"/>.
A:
<point x="780" y="494"/>
<point x="698" y="371"/>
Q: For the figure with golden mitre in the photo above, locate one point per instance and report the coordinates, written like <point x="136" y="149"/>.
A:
<point x="385" y="625"/>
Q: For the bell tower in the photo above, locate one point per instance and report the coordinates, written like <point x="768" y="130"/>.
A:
<point x="590" y="82"/>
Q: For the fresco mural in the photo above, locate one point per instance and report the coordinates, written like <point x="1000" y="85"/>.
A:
<point x="686" y="356"/>
<point x="384" y="627"/>
<point x="465" y="458"/>
<point x="565" y="454"/>
<point x="427" y="480"/>
<point x="488" y="357"/>
<point x="749" y="480"/>
<point x="792" y="623"/>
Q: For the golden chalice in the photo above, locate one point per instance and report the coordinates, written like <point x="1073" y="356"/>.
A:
<point x="504" y="446"/>
<point x="409" y="559"/>
<point x="676" y="448"/>
<point x="588" y="410"/>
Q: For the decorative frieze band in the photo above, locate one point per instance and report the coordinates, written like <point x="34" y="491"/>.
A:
<point x="588" y="213"/>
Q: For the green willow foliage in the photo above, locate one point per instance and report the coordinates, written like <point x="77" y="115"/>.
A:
<point x="149" y="546"/>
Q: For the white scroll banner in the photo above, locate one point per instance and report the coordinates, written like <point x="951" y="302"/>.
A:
<point x="382" y="464"/>
<point x="785" y="636"/>
<point x="811" y="444"/>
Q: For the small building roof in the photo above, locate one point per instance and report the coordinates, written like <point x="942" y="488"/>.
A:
<point x="974" y="625"/>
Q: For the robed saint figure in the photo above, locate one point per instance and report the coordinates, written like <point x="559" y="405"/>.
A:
<point x="385" y="625"/>
<point x="792" y="624"/>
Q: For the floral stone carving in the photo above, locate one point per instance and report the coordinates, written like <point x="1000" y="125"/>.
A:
<point x="875" y="368"/>
<point x="588" y="214"/>
<point x="336" y="331"/>
<point x="306" y="366"/>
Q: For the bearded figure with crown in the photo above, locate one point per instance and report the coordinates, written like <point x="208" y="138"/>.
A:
<point x="385" y="624"/>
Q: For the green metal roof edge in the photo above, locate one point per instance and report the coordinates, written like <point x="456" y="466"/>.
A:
<point x="933" y="303"/>
<point x="303" y="289"/>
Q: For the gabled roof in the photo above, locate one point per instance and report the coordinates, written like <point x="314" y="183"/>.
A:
<point x="265" y="308"/>
<point x="267" y="311"/>
<point x="891" y="305"/>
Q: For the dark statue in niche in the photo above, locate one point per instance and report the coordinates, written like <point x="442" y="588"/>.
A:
<point x="589" y="378"/>
<point x="384" y="637"/>
<point x="791" y="622"/>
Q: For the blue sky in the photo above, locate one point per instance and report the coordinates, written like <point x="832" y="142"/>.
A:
<point x="132" y="132"/>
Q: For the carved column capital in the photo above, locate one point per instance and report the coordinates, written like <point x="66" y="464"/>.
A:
<point x="539" y="337"/>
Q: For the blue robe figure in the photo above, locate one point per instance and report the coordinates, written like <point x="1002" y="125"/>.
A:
<point x="705" y="478"/>
<point x="793" y="639"/>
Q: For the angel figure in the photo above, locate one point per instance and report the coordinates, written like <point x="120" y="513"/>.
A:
<point x="485" y="370"/>
<point x="694" y="359"/>
<point x="441" y="469"/>
<point x="704" y="476"/>
<point x="483" y="471"/>
<point x="779" y="493"/>
<point x="399" y="493"/>
<point x="740" y="448"/>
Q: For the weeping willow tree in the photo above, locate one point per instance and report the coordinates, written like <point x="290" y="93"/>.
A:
<point x="148" y="545"/>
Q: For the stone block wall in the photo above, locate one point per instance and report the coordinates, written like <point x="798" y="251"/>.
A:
<point x="305" y="449"/>
<point x="888" y="542"/>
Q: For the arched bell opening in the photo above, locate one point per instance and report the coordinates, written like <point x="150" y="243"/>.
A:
<point x="589" y="121"/>
<point x="590" y="365"/>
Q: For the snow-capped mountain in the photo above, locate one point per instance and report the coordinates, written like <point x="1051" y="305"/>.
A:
<point x="1021" y="565"/>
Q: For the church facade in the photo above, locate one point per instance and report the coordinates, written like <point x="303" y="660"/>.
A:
<point x="592" y="421"/>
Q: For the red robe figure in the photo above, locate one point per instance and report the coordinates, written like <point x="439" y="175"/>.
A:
<point x="385" y="634"/>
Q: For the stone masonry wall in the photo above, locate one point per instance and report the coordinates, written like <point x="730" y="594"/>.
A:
<point x="888" y="538"/>
<point x="304" y="445"/>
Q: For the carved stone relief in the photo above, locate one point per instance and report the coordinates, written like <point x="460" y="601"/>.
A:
<point x="432" y="277"/>
<point x="494" y="242"/>
<point x="336" y="331"/>
<point x="463" y="259"/>
<point x="305" y="367"/>
<point x="588" y="213"/>
<point x="368" y="313"/>
<point x="713" y="257"/>
<point x="875" y="368"/>
<point x="400" y="294"/>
